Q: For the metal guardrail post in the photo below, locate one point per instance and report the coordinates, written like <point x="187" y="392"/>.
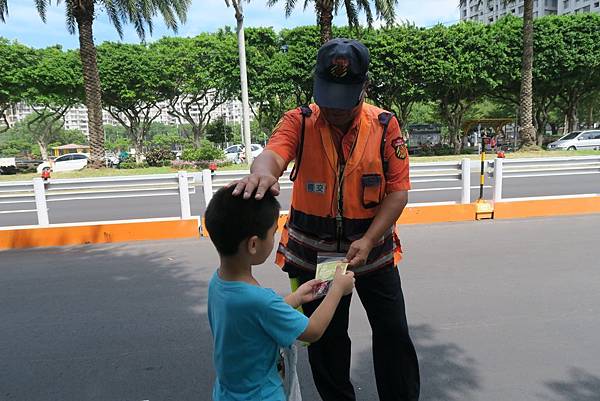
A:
<point x="466" y="181"/>
<point x="40" y="202"/>
<point x="207" y="186"/>
<point x="498" y="179"/>
<point x="184" y="194"/>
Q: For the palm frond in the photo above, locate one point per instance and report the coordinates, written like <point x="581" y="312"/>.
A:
<point x="115" y="16"/>
<point x="288" y="6"/>
<point x="71" y="20"/>
<point x="385" y="10"/>
<point x="364" y="5"/>
<point x="41" y="8"/>
<point x="352" y="13"/>
<point x="3" y="10"/>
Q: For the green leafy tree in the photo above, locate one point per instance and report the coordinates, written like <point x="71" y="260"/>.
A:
<point x="460" y="61"/>
<point x="270" y="91"/>
<point x="54" y="86"/>
<point x="396" y="67"/>
<point x="301" y="46"/>
<point x="15" y="60"/>
<point x="218" y="131"/>
<point x="132" y="87"/>
<point x="578" y="60"/>
<point x="80" y="16"/>
<point x="201" y="74"/>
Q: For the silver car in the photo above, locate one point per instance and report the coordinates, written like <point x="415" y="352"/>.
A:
<point x="578" y="140"/>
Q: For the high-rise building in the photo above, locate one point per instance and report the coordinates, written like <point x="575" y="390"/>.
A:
<point x="489" y="11"/>
<point x="76" y="117"/>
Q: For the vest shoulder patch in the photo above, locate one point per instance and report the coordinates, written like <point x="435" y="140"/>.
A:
<point x="400" y="150"/>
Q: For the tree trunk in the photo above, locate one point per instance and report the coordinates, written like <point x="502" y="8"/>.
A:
<point x="541" y="119"/>
<point x="325" y="19"/>
<point x="239" y="16"/>
<point x="571" y="118"/>
<point x="590" y="117"/>
<point x="197" y="130"/>
<point x="93" y="96"/>
<point x="526" y="97"/>
<point x="43" y="150"/>
<point x="139" y="145"/>
<point x="456" y="140"/>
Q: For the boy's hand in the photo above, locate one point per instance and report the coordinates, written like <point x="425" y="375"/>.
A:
<point x="343" y="282"/>
<point x="306" y="292"/>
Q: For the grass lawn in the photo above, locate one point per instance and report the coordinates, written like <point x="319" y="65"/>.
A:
<point x="105" y="172"/>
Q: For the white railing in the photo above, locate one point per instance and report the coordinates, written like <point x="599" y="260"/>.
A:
<point x="40" y="193"/>
<point x="459" y="172"/>
<point x="505" y="169"/>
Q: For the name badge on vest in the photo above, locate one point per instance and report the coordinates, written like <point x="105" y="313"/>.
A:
<point x="316" y="187"/>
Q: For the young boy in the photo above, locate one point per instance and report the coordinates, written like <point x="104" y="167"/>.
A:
<point x="249" y="323"/>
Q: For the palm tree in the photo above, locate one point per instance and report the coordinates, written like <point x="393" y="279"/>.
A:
<point x="528" y="133"/>
<point x="326" y="9"/>
<point x="80" y="16"/>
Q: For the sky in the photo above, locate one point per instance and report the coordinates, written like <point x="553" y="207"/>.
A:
<point x="24" y="25"/>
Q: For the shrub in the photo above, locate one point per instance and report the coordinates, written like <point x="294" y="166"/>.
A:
<point x="159" y="157"/>
<point x="206" y="152"/>
<point x="183" y="165"/>
<point x="132" y="164"/>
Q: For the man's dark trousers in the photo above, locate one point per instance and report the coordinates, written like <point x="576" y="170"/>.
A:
<point x="394" y="356"/>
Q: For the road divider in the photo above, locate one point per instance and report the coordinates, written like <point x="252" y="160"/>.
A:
<point x="97" y="232"/>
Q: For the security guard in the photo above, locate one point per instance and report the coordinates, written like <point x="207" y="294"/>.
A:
<point x="351" y="182"/>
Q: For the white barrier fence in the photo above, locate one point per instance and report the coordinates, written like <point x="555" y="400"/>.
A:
<point x="510" y="169"/>
<point x="459" y="172"/>
<point x="40" y="193"/>
<point x="183" y="184"/>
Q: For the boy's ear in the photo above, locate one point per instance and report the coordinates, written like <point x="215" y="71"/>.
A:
<point x="252" y="244"/>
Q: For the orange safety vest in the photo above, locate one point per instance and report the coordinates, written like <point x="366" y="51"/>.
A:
<point x="334" y="202"/>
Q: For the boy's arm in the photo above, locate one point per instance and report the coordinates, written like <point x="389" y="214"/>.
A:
<point x="321" y="317"/>
<point x="292" y="300"/>
<point x="303" y="294"/>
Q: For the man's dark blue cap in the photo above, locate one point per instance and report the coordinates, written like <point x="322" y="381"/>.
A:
<point x="340" y="74"/>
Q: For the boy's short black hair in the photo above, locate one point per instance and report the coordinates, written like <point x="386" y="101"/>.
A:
<point x="231" y="219"/>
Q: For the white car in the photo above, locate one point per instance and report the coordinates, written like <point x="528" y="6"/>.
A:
<point x="232" y="153"/>
<point x="68" y="162"/>
<point x="579" y="140"/>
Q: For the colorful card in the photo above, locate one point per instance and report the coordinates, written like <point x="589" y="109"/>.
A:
<point x="326" y="272"/>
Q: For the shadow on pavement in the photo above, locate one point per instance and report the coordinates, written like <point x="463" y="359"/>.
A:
<point x="447" y="372"/>
<point x="581" y="386"/>
<point x="115" y="323"/>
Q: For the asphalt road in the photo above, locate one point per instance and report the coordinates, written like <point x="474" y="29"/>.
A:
<point x="518" y="320"/>
<point x="168" y="206"/>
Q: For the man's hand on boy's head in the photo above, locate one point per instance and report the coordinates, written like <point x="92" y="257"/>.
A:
<point x="259" y="182"/>
<point x="306" y="292"/>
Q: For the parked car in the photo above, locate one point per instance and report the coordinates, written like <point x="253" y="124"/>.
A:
<point x="235" y="153"/>
<point x="589" y="140"/>
<point x="112" y="160"/>
<point x="68" y="162"/>
<point x="231" y="152"/>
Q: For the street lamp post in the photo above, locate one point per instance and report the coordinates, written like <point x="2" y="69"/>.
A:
<point x="239" y="16"/>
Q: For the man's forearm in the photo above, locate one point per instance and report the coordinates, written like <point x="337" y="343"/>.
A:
<point x="268" y="163"/>
<point x="391" y="209"/>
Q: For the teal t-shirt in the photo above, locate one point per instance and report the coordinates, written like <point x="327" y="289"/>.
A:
<point x="249" y="324"/>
